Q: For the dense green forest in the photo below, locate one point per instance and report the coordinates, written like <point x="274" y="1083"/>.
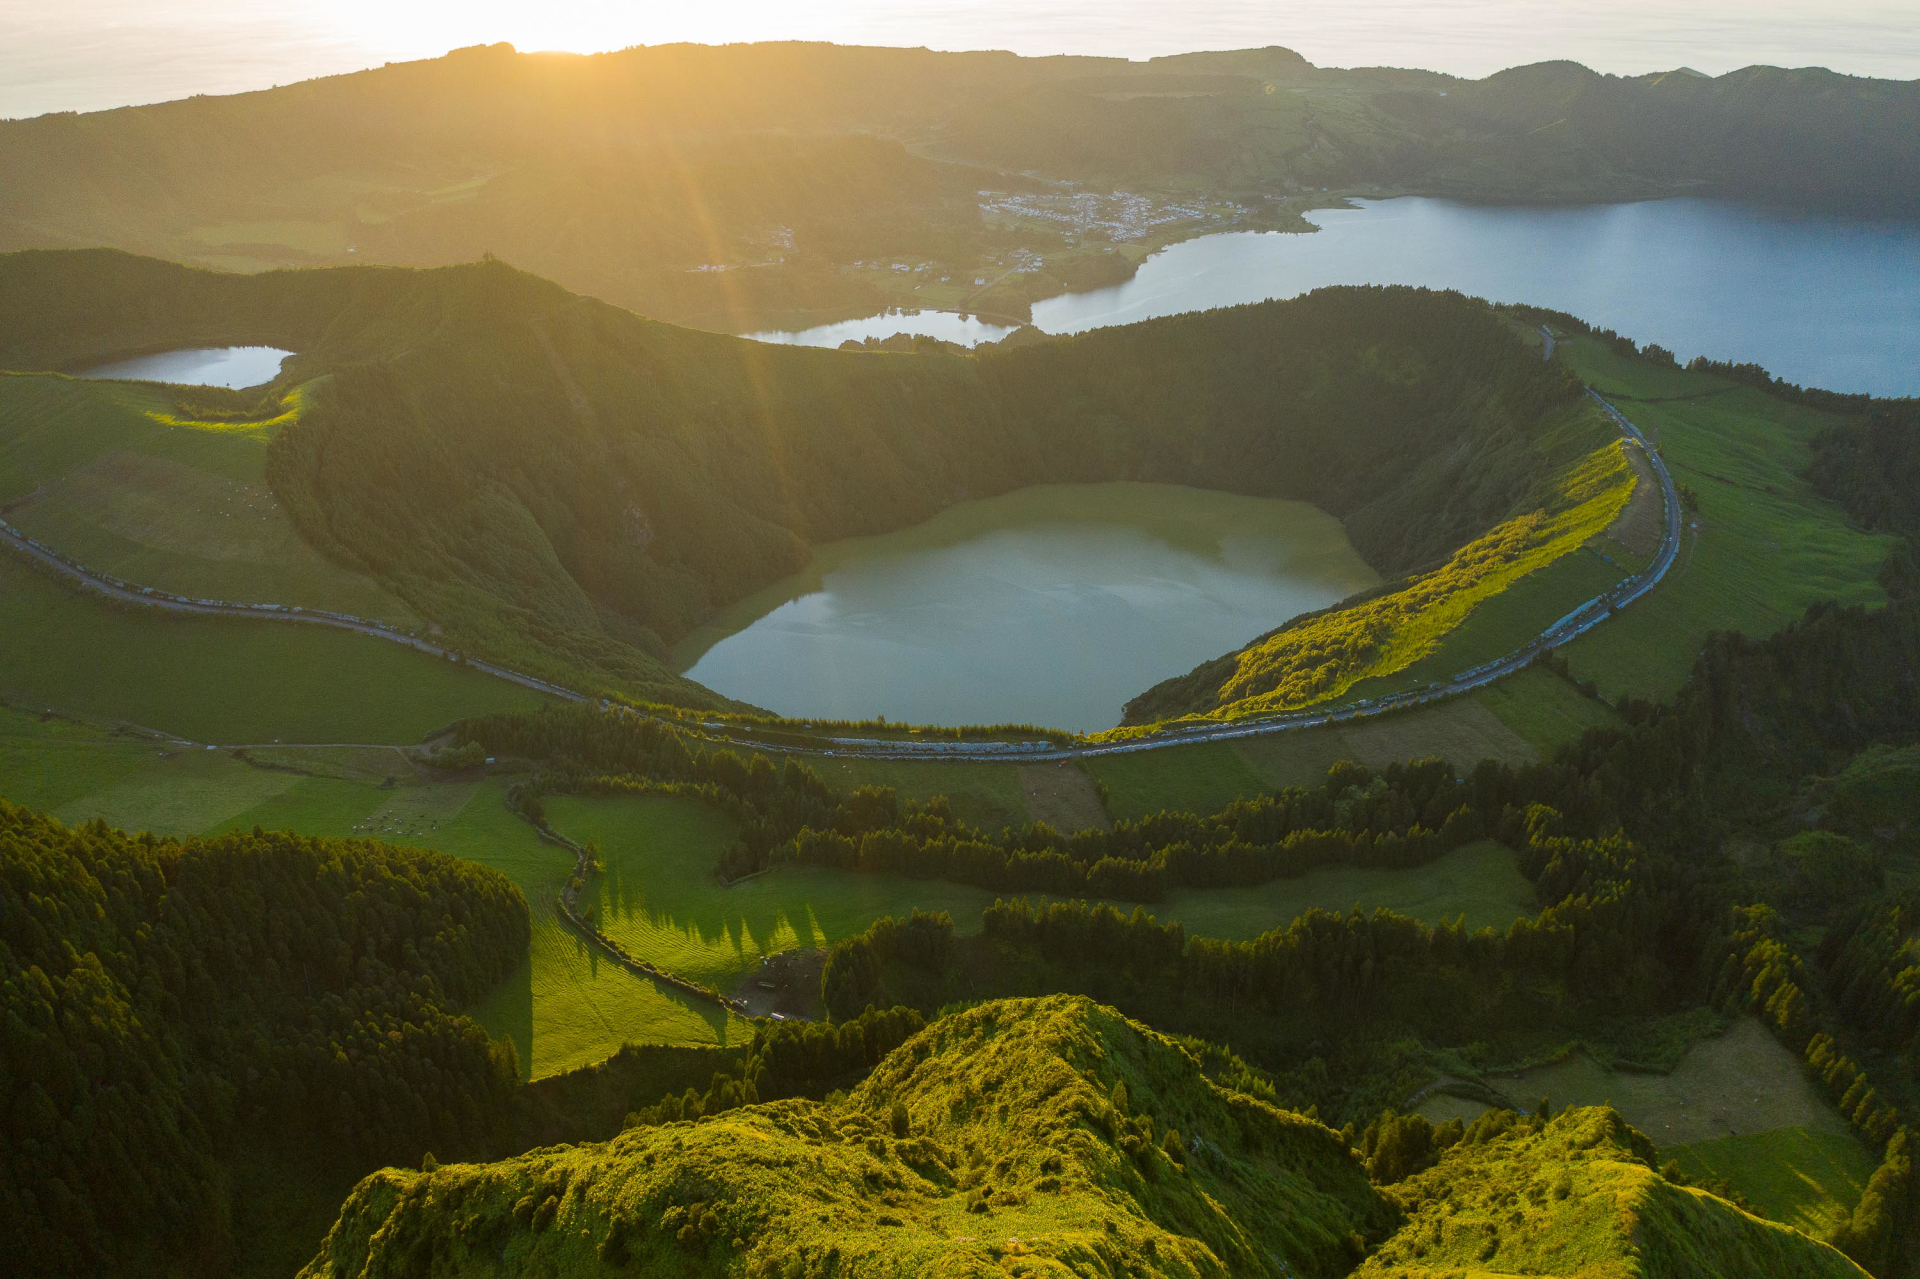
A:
<point x="721" y="186"/>
<point x="163" y="999"/>
<point x="567" y="487"/>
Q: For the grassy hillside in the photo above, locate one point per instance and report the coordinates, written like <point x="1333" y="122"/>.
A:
<point x="225" y="680"/>
<point x="1579" y="1196"/>
<point x="1054" y="1136"/>
<point x="1036" y="1134"/>
<point x="568" y="487"/>
<point x="1762" y="544"/>
<point x="137" y="482"/>
<point x="1489" y="585"/>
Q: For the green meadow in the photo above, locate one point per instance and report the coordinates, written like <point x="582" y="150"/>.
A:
<point x="1766" y="546"/>
<point x="1522" y="718"/>
<point x="661" y="899"/>
<point x="659" y="896"/>
<point x="227" y="680"/>
<point x="1806" y="1177"/>
<point x="1480" y="882"/>
<point x="1737" y="1106"/>
<point x="565" y="1006"/>
<point x="114" y="476"/>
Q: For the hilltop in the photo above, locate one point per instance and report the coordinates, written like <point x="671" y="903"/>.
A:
<point x="1047" y="1136"/>
<point x="1579" y="1195"/>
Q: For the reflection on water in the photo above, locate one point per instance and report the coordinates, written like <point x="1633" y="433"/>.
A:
<point x="1053" y="605"/>
<point x="230" y="366"/>
<point x="946" y="325"/>
<point x="1823" y="301"/>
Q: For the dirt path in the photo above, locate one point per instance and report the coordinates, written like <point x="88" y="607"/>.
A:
<point x="1063" y="796"/>
<point x="1640" y="524"/>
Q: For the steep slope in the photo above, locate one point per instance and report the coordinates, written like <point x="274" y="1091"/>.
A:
<point x="1579" y="1196"/>
<point x="1051" y="1136"/>
<point x="565" y="486"/>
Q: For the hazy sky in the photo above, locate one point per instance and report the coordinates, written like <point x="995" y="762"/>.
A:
<point x="88" y="54"/>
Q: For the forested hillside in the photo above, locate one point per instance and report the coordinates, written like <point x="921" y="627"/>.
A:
<point x="568" y="487"/>
<point x="164" y="999"/>
<point x="721" y="186"/>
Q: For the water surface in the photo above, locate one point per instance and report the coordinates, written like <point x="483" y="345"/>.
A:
<point x="1824" y="301"/>
<point x="948" y="326"/>
<point x="1052" y="604"/>
<point x="229" y="366"/>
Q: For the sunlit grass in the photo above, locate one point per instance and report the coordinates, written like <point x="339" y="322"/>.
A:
<point x="1331" y="656"/>
<point x="1767" y="545"/>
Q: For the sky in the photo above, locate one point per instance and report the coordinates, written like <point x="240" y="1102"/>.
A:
<point x="90" y="54"/>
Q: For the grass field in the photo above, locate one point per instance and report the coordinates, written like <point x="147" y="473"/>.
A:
<point x="1544" y="710"/>
<point x="989" y="796"/>
<point x="661" y="900"/>
<point x="228" y="680"/>
<point x="564" y="1006"/>
<point x="1517" y="720"/>
<point x="111" y="475"/>
<point x="1767" y="545"/>
<point x="1737" y="1106"/>
<point x="1508" y="621"/>
<point x="1481" y="881"/>
<point x="1804" y="1177"/>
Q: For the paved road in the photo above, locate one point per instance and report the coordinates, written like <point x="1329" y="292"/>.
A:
<point x="113" y="588"/>
<point x="1573" y="625"/>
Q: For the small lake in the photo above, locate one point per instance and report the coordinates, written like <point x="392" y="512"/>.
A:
<point x="948" y="326"/>
<point x="229" y="366"/>
<point x="1049" y="605"/>
<point x="1823" y="301"/>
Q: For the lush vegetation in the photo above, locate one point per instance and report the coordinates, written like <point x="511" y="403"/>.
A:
<point x="114" y="476"/>
<point x="1321" y="656"/>
<point x="1575" y="1194"/>
<point x="163" y="997"/>
<point x="1765" y="540"/>
<point x="1042" y="1133"/>
<point x="568" y="488"/>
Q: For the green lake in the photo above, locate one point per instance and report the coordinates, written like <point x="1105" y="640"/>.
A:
<point x="1049" y="605"/>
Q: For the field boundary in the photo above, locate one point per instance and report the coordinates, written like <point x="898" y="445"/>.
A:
<point x="568" y="900"/>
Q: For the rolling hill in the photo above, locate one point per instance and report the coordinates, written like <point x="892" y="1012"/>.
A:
<point x="1052" y="1136"/>
<point x="567" y="487"/>
<point x="727" y="186"/>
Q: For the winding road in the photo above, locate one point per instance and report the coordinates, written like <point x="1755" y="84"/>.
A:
<point x="1569" y="627"/>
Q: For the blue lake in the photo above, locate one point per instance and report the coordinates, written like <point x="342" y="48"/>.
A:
<point x="1824" y="301"/>
<point x="230" y="366"/>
